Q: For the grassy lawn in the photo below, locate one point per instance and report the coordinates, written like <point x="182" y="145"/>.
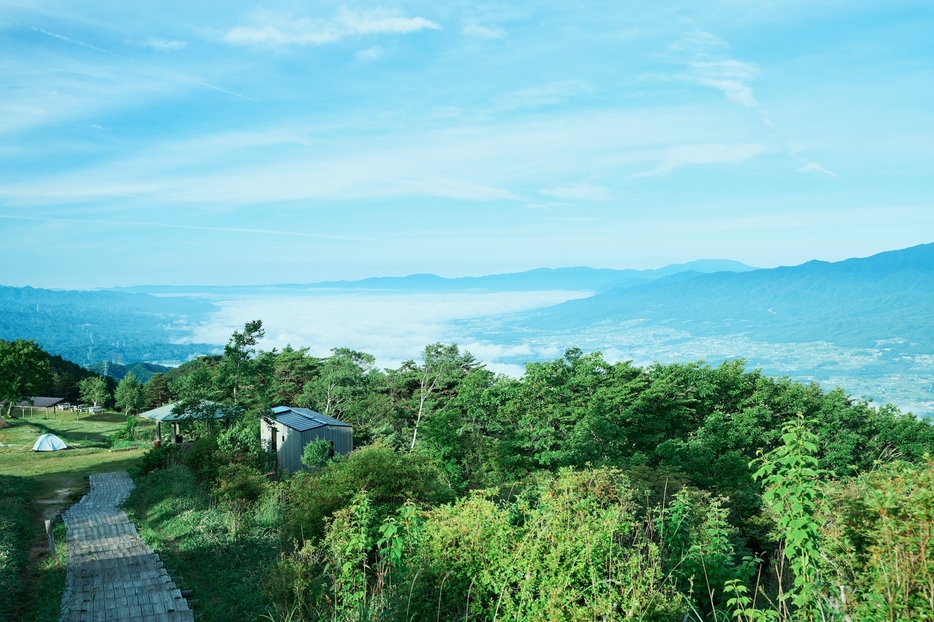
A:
<point x="53" y="481"/>
<point x="62" y="473"/>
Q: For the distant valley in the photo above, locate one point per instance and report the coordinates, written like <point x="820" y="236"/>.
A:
<point x="861" y="323"/>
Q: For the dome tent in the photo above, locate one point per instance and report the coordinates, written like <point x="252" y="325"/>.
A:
<point x="48" y="442"/>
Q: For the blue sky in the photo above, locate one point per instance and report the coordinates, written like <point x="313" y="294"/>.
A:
<point x="266" y="142"/>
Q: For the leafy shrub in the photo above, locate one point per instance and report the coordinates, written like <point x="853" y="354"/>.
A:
<point x="581" y="553"/>
<point x="202" y="458"/>
<point x="317" y="453"/>
<point x="389" y="478"/>
<point x="878" y="534"/>
<point x="126" y="434"/>
<point x="238" y="485"/>
<point x="240" y="444"/>
<point x="15" y="538"/>
<point x="158" y="458"/>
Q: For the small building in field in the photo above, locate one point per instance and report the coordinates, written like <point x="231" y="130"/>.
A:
<point x="289" y="429"/>
<point x="165" y="414"/>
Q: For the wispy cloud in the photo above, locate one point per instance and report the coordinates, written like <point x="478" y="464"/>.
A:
<point x="272" y="29"/>
<point x="817" y="169"/>
<point x="473" y="29"/>
<point x="165" y="45"/>
<point x="579" y="192"/>
<point x="159" y="69"/>
<point x="548" y="94"/>
<point x="709" y="64"/>
<point x="163" y="225"/>
<point x="702" y="154"/>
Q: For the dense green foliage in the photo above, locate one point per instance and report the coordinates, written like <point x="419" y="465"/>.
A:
<point x="584" y="490"/>
<point x="24" y="372"/>
<point x="16" y="510"/>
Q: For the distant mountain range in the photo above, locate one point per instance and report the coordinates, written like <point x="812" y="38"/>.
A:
<point x="152" y="322"/>
<point x="861" y="323"/>
<point x="855" y="303"/>
<point x="541" y="279"/>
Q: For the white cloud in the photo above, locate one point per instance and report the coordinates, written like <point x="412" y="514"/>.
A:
<point x="707" y="63"/>
<point x="272" y="29"/>
<point x="165" y="45"/>
<point x="703" y="154"/>
<point x="392" y="327"/>
<point x="549" y="94"/>
<point x="472" y="29"/>
<point x="476" y="162"/>
<point x="579" y="192"/>
<point x="815" y="168"/>
<point x="729" y="76"/>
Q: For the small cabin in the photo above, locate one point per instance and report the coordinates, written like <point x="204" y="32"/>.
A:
<point x="289" y="429"/>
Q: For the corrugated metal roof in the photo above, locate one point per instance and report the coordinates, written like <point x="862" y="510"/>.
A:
<point x="43" y="402"/>
<point x="297" y="422"/>
<point x="319" y="417"/>
<point x="302" y="419"/>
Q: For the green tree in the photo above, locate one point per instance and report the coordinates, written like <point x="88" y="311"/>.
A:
<point x="157" y="391"/>
<point x="237" y="365"/>
<point x="291" y="370"/>
<point x="130" y="395"/>
<point x="24" y="373"/>
<point x="441" y="366"/>
<point x="340" y="382"/>
<point x="94" y="390"/>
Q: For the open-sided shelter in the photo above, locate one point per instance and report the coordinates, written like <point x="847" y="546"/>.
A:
<point x="289" y="429"/>
<point x="165" y="414"/>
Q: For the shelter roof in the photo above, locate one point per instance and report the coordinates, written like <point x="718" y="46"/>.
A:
<point x="42" y="402"/>
<point x="302" y="419"/>
<point x="164" y="413"/>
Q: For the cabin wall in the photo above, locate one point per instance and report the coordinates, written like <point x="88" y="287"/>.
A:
<point x="341" y="436"/>
<point x="291" y="448"/>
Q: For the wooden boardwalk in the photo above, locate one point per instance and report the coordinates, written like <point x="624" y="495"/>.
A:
<point x="112" y="573"/>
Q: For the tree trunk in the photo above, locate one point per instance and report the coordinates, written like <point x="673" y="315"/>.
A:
<point x="3" y="422"/>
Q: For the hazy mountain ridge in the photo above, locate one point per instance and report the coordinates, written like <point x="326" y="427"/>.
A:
<point x="853" y="303"/>
<point x="142" y="371"/>
<point x="580" y="278"/>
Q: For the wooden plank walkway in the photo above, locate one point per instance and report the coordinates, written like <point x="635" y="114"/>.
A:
<point x="112" y="573"/>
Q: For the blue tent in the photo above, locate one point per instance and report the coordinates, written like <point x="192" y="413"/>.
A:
<point x="48" y="442"/>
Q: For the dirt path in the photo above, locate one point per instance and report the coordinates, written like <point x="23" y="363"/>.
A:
<point x="112" y="573"/>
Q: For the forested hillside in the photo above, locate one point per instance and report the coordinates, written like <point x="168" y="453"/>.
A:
<point x="92" y="326"/>
<point x="584" y="490"/>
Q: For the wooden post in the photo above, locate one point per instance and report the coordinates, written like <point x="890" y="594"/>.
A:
<point x="174" y="433"/>
<point x="159" y="431"/>
<point x="48" y="532"/>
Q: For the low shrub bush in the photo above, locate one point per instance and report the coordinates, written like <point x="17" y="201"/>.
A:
<point x="238" y="485"/>
<point x="158" y="458"/>
<point x="389" y="478"/>
<point x="203" y="458"/>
